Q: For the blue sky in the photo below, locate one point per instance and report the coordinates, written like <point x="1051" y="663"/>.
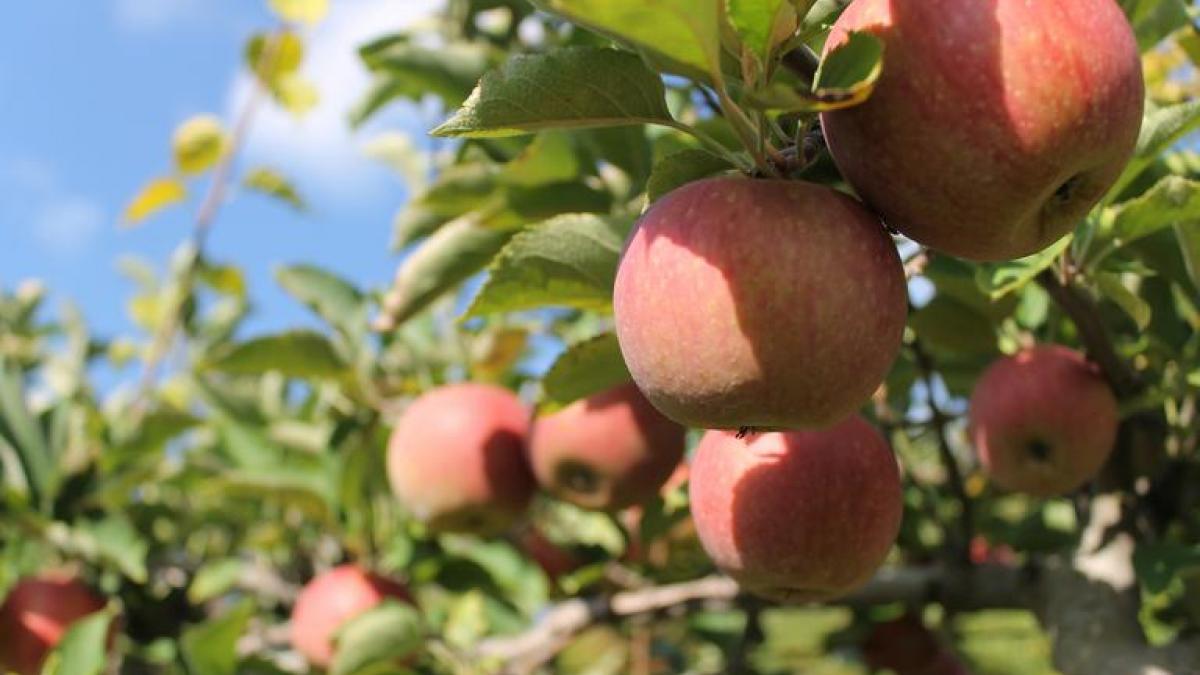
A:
<point x="90" y="93"/>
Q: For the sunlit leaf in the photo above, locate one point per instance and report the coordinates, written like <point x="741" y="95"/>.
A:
<point x="586" y="368"/>
<point x="154" y="197"/>
<point x="199" y="144"/>
<point x="300" y="11"/>
<point x="273" y="184"/>
<point x="380" y="636"/>
<point x="294" y="354"/>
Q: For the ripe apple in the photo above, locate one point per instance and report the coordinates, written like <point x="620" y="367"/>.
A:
<point x="36" y="614"/>
<point x="607" y="452"/>
<point x="996" y="124"/>
<point x="330" y="600"/>
<point x="456" y="459"/>
<point x="801" y="516"/>
<point x="759" y="304"/>
<point x="1043" y="421"/>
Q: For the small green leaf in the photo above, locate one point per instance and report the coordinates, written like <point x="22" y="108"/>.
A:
<point x="214" y="579"/>
<point x="846" y="78"/>
<point x="444" y="260"/>
<point x="378" y="637"/>
<point x="302" y="354"/>
<point x="273" y="184"/>
<point x="115" y="541"/>
<point x="84" y="647"/>
<point x="210" y="648"/>
<point x="551" y="158"/>
<point x="1157" y="565"/>
<point x="683" y="167"/>
<point x="999" y="279"/>
<point x="685" y="33"/>
<point x="577" y="87"/>
<point x="404" y="70"/>
<point x="948" y="324"/>
<point x="332" y="298"/>
<point x="569" y="261"/>
<point x="1161" y="129"/>
<point x="1188" y="235"/>
<point x="765" y="24"/>
<point x="1170" y="201"/>
<point x="586" y="368"/>
<point x="1114" y="289"/>
<point x="271" y="56"/>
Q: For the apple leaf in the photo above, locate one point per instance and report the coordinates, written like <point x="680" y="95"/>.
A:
<point x="586" y="368"/>
<point x="846" y="78"/>
<point x="999" y="279"/>
<point x="1172" y="200"/>
<point x="300" y="11"/>
<point x="681" y="168"/>
<point x="210" y="648"/>
<point x="569" y="261"/>
<point x="1158" y="564"/>
<point x="1188" y="235"/>
<point x="577" y="87"/>
<point x="273" y="184"/>
<point x="199" y="144"/>
<point x="1115" y="289"/>
<point x="686" y="34"/>
<point x="380" y="636"/>
<point x="763" y="25"/>
<point x="84" y="647"/>
<point x="551" y="158"/>
<point x="155" y="196"/>
<point x="407" y="71"/>
<point x="300" y="353"/>
<point x="329" y="296"/>
<point x="1161" y="129"/>
<point x="458" y="250"/>
<point x="213" y="579"/>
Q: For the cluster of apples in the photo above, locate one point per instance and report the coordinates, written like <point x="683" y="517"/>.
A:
<point x="770" y="310"/>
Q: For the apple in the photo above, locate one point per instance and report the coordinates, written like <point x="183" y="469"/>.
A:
<point x="607" y="452"/>
<point x="36" y="614"/>
<point x="329" y="601"/>
<point x="760" y="304"/>
<point x="456" y="459"/>
<point x="801" y="516"/>
<point x="1043" y="421"/>
<point x="996" y="125"/>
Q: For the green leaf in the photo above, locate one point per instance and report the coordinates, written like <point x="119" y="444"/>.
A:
<point x="551" y="158"/>
<point x="954" y="326"/>
<point x="577" y="87"/>
<point x="273" y="56"/>
<point x="155" y="196"/>
<point x="687" y="33"/>
<point x="214" y="579"/>
<point x="211" y="647"/>
<point x="765" y="24"/>
<point x="846" y="78"/>
<point x="84" y="647"/>
<point x="332" y="298"/>
<point x="199" y="144"/>
<point x="380" y="636"/>
<point x="1170" y="201"/>
<point x="300" y="11"/>
<point x="683" y="167"/>
<point x="1161" y="129"/>
<point x="1158" y="564"/>
<point x="302" y="354"/>
<point x="273" y="184"/>
<point x="1154" y="20"/>
<point x="20" y="430"/>
<point x="444" y="260"/>
<point x="586" y="368"/>
<point x="1114" y="289"/>
<point x="115" y="541"/>
<point x="404" y="70"/>
<point x="999" y="279"/>
<point x="1188" y="235"/>
<point x="569" y="261"/>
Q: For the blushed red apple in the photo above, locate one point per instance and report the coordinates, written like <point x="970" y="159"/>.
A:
<point x="457" y="459"/>
<point x="802" y="516"/>
<point x="996" y="125"/>
<point x="1043" y="421"/>
<point x="329" y="601"/>
<point x="607" y="452"/>
<point x="762" y="304"/>
<point x="36" y="614"/>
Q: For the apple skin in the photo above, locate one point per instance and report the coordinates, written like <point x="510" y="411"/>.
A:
<point x="996" y="124"/>
<point x="760" y="304"/>
<point x="36" y="614"/>
<point x="606" y="452"/>
<point x="330" y="600"/>
<point x="801" y="516"/>
<point x="1043" y="421"/>
<point x="457" y="459"/>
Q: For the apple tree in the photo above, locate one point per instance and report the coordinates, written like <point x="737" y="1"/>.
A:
<point x="726" y="336"/>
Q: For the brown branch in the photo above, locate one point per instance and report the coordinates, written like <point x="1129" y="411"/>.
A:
<point x="1086" y="315"/>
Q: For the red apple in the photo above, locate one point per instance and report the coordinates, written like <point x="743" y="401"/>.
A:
<point x="1044" y="421"/>
<point x="456" y="459"/>
<point x="606" y="452"/>
<point x="802" y="516"/>
<point x="996" y="124"/>
<point x="329" y="601"/>
<point x="759" y="303"/>
<point x="36" y="614"/>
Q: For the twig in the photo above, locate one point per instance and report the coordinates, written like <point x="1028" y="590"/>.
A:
<point x="954" y="474"/>
<point x="1083" y="312"/>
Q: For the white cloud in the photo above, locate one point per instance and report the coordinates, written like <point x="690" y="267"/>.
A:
<point x="319" y="150"/>
<point x="152" y="15"/>
<point x="61" y="221"/>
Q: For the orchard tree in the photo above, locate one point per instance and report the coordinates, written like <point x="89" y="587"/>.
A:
<point x="727" y="336"/>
